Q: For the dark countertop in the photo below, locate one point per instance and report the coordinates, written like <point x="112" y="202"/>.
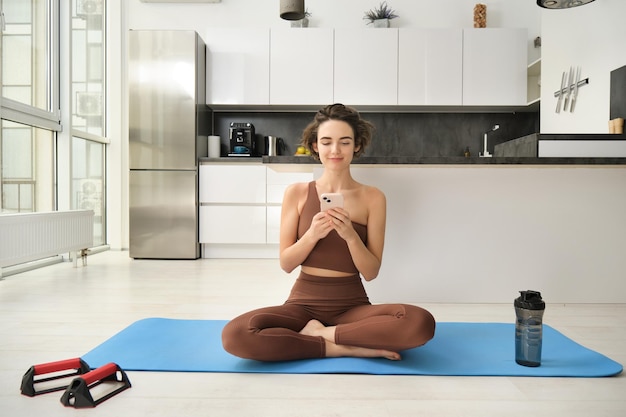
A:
<point x="233" y="159"/>
<point x="579" y="136"/>
<point x="453" y="160"/>
<point x="412" y="160"/>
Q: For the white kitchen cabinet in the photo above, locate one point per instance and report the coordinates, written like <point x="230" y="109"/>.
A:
<point x="495" y="67"/>
<point x="232" y="203"/>
<point x="277" y="183"/>
<point x="229" y="224"/>
<point x="232" y="183"/>
<point x="238" y="66"/>
<point x="430" y="67"/>
<point x="240" y="202"/>
<point x="273" y="224"/>
<point x="301" y="66"/>
<point x="412" y="67"/>
<point x="366" y="66"/>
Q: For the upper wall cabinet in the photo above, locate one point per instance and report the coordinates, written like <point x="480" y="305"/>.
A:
<point x="430" y="67"/>
<point x="238" y="66"/>
<point x="301" y="66"/>
<point x="366" y="66"/>
<point x="495" y="67"/>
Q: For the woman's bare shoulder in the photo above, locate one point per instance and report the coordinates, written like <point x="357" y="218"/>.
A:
<point x="295" y="196"/>
<point x="297" y="188"/>
<point x="373" y="194"/>
<point x="297" y="191"/>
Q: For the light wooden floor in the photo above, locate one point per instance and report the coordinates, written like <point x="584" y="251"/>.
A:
<point x="61" y="312"/>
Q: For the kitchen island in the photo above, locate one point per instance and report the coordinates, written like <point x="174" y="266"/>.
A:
<point x="481" y="229"/>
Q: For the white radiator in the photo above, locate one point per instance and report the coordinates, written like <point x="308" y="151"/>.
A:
<point x="26" y="237"/>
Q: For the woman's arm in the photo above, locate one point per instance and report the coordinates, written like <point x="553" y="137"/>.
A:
<point x="293" y="251"/>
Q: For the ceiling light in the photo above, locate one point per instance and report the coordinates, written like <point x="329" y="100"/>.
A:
<point x="292" y="9"/>
<point x="561" y="4"/>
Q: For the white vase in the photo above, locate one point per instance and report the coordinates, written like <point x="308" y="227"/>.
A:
<point x="381" y="23"/>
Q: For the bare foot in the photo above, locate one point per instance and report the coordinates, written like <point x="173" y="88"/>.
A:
<point x="313" y="328"/>
<point x="316" y="328"/>
<point x="333" y="350"/>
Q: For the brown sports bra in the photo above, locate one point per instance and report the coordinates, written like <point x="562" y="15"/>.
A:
<point x="332" y="251"/>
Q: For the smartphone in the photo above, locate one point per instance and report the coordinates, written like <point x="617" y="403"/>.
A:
<point x="331" y="200"/>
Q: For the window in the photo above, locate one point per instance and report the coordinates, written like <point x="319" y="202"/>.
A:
<point x="29" y="106"/>
<point x="88" y="67"/>
<point x="88" y="182"/>
<point x="27" y="53"/>
<point x="35" y="149"/>
<point x="88" y="115"/>
<point x="27" y="156"/>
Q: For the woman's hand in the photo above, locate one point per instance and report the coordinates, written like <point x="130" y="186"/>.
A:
<point x="339" y="220"/>
<point x="321" y="225"/>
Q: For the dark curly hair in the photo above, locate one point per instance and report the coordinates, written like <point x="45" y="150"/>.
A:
<point x="363" y="130"/>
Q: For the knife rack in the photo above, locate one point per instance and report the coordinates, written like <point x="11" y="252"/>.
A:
<point x="568" y="93"/>
<point x="565" y="90"/>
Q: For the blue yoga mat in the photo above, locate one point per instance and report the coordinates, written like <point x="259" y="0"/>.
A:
<point x="472" y="349"/>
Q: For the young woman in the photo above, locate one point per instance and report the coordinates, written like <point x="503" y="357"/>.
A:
<point x="328" y="313"/>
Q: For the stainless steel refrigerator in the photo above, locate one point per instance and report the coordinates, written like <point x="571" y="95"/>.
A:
<point x="167" y="134"/>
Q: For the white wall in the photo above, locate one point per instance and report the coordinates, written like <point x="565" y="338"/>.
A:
<point x="590" y="36"/>
<point x="334" y="14"/>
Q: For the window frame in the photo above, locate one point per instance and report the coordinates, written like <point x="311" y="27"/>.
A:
<point x="30" y="115"/>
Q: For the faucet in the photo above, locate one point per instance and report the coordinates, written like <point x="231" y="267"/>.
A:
<point x="485" y="152"/>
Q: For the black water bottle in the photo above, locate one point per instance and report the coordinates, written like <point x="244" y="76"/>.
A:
<point x="529" y="308"/>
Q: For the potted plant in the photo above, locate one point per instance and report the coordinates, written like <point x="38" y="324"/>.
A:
<point x="302" y="23"/>
<point x="380" y="15"/>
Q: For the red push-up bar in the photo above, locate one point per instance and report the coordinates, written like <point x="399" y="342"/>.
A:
<point x="77" y="394"/>
<point x="30" y="382"/>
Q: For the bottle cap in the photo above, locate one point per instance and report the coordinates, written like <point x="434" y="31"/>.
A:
<point x="530" y="300"/>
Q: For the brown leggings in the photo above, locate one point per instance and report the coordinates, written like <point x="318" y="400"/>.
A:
<point x="272" y="333"/>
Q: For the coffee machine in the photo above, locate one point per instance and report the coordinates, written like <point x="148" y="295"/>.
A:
<point x="242" y="139"/>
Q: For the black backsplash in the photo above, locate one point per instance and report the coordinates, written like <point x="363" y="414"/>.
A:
<point x="397" y="134"/>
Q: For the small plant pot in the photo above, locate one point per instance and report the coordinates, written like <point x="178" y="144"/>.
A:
<point x="302" y="23"/>
<point x="381" y="23"/>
